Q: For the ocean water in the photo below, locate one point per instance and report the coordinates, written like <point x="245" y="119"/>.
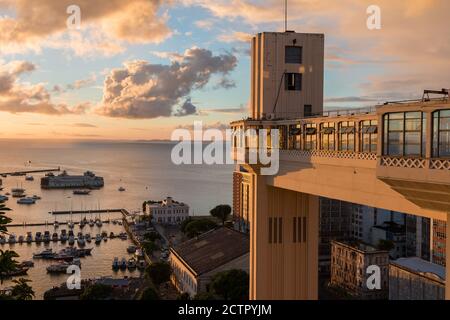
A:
<point x="144" y="169"/>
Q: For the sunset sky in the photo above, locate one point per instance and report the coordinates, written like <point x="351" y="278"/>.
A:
<point x="138" y="69"/>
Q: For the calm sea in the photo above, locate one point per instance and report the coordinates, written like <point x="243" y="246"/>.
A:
<point x="144" y="169"/>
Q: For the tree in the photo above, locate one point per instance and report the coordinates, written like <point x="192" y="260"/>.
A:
<point x="7" y="263"/>
<point x="197" y="227"/>
<point x="150" y="293"/>
<point x="21" y="290"/>
<point x="149" y="247"/>
<point x="184" y="296"/>
<point x="231" y="285"/>
<point x="4" y="220"/>
<point x="97" y="291"/>
<point x="221" y="212"/>
<point x="152" y="236"/>
<point x="184" y="224"/>
<point x="159" y="272"/>
<point x="385" y="245"/>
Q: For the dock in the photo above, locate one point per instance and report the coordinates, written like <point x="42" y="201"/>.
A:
<point x="47" y="223"/>
<point x="124" y="212"/>
<point x="14" y="173"/>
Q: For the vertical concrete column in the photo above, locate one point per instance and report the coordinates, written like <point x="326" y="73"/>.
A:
<point x="284" y="235"/>
<point x="447" y="259"/>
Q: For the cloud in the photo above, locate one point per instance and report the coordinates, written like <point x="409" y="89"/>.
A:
<point x="236" y="36"/>
<point x="350" y="99"/>
<point x="216" y="125"/>
<point x="141" y="90"/>
<point x="18" y="97"/>
<point x="78" y="84"/>
<point x="33" y="22"/>
<point x="84" y="125"/>
<point x="186" y="109"/>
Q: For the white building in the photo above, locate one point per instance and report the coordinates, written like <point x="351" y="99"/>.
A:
<point x="167" y="211"/>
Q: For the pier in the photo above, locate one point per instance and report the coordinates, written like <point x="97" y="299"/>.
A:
<point x="124" y="212"/>
<point x="18" y="173"/>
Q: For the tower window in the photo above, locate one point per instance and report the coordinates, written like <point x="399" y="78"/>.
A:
<point x="293" y="54"/>
<point x="293" y="81"/>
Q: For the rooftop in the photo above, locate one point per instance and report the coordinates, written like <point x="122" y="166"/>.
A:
<point x="212" y="249"/>
<point x="421" y="266"/>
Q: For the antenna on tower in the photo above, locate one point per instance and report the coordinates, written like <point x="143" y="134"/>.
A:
<point x="285" y="15"/>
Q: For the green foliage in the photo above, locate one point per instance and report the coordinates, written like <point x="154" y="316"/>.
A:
<point x="149" y="247"/>
<point x="221" y="212"/>
<point x="184" y="296"/>
<point x="4" y="220"/>
<point x="184" y="224"/>
<point x="231" y="285"/>
<point x="150" y="293"/>
<point x="385" y="245"/>
<point x="21" y="290"/>
<point x="96" y="292"/>
<point x="159" y="272"/>
<point x="197" y="227"/>
<point x="205" y="296"/>
<point x="152" y="236"/>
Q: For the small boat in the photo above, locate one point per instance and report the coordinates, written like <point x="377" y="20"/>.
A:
<point x="12" y="238"/>
<point x="26" y="201"/>
<point x="82" y="223"/>
<point x="46" y="236"/>
<point x="88" y="238"/>
<point x="29" y="238"/>
<point x="18" y="192"/>
<point x="99" y="223"/>
<point x="63" y="236"/>
<point x="119" y="223"/>
<point x="131" y="249"/>
<point x="27" y="264"/>
<point x="123" y="236"/>
<point x="19" y="271"/>
<point x="114" y="222"/>
<point x="91" y="223"/>
<point x="29" y="178"/>
<point x="70" y="225"/>
<point x="111" y="235"/>
<point x="62" y="267"/>
<point x="131" y="264"/>
<point x="36" y="197"/>
<point x="38" y="237"/>
<point x="49" y="174"/>
<point x="20" y="240"/>
<point x="82" y="192"/>
<point x="55" y="237"/>
<point x="4" y="175"/>
<point x="115" y="264"/>
<point x="2" y="240"/>
<point x="71" y="240"/>
<point x="121" y="189"/>
<point x="80" y="241"/>
<point x="123" y="264"/>
<point x="98" y="239"/>
<point x="56" y="225"/>
<point x="3" y="198"/>
<point x="46" y="254"/>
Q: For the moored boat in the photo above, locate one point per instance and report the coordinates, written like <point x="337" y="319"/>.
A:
<point x="115" y="264"/>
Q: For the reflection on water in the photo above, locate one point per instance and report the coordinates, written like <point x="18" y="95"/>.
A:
<point x="144" y="169"/>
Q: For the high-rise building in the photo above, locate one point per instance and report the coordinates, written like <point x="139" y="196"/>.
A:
<point x="439" y="242"/>
<point x="287" y="75"/>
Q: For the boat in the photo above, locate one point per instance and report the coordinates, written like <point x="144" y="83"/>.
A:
<point x="123" y="264"/>
<point x="91" y="223"/>
<point x="29" y="238"/>
<point x="18" y="271"/>
<point x="63" y="236"/>
<point x="131" y="264"/>
<point x="111" y="235"/>
<point x="62" y="267"/>
<point x="50" y="174"/>
<point x="88" y="238"/>
<point x="56" y="224"/>
<point x="115" y="264"/>
<point x="36" y="197"/>
<point x="29" y="178"/>
<point x="99" y="223"/>
<point x="46" y="254"/>
<point x="71" y="240"/>
<point x="98" y="239"/>
<point x="82" y="192"/>
<point x="131" y="249"/>
<point x="2" y="240"/>
<point x="46" y="236"/>
<point x="64" y="180"/>
<point x="27" y="264"/>
<point x="114" y="222"/>
<point x="26" y="201"/>
<point x="82" y="223"/>
<point x="71" y="225"/>
<point x="12" y="238"/>
<point x="3" y="198"/>
<point x="4" y="175"/>
<point x="38" y="237"/>
<point x="55" y="237"/>
<point x="80" y="241"/>
<point x="18" y="192"/>
<point x="119" y="223"/>
<point x="123" y="236"/>
<point x="20" y="240"/>
<point x="121" y="189"/>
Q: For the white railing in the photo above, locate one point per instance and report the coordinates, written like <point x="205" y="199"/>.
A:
<point x="404" y="162"/>
<point x="440" y="164"/>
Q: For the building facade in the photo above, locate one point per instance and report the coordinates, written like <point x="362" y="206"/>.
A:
<point x="350" y="262"/>
<point x="167" y="211"/>
<point x="416" y="279"/>
<point x="196" y="261"/>
<point x="439" y="242"/>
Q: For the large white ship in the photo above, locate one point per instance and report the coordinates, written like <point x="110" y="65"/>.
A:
<point x="64" y="180"/>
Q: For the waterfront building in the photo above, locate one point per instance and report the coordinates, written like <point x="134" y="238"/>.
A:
<point x="64" y="180"/>
<point x="394" y="156"/>
<point x="350" y="262"/>
<point x="416" y="279"/>
<point x="167" y="211"/>
<point x="197" y="260"/>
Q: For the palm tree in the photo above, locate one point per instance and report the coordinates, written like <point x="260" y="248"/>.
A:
<point x="4" y="220"/>
<point x="21" y="290"/>
<point x="7" y="263"/>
